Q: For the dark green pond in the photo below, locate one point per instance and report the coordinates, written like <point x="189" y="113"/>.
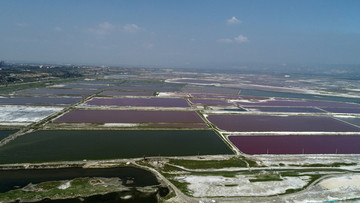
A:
<point x="63" y="145"/>
<point x="5" y="133"/>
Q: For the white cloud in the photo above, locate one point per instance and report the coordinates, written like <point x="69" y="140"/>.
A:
<point x="103" y="28"/>
<point x="106" y="26"/>
<point x="58" y="29"/>
<point x="238" y="39"/>
<point x="233" y="20"/>
<point x="224" y="40"/>
<point x="131" y="28"/>
<point x="148" y="45"/>
<point x="22" y="24"/>
<point x="241" y="39"/>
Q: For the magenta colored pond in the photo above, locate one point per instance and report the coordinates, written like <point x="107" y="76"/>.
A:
<point x="301" y="103"/>
<point x="260" y="123"/>
<point x="298" y="144"/>
<point x="159" y="102"/>
<point x="285" y="109"/>
<point x="342" y="110"/>
<point x="213" y="102"/>
<point x="119" y="116"/>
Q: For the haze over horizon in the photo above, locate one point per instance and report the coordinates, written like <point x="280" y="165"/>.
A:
<point x="182" y="33"/>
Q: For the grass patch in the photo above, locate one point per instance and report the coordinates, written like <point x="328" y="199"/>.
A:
<point x="79" y="187"/>
<point x="183" y="186"/>
<point x="252" y="163"/>
<point x="34" y="84"/>
<point x="168" y="168"/>
<point x="288" y="191"/>
<point x="49" y="185"/>
<point x="343" y="164"/>
<point x="80" y="181"/>
<point x="290" y="173"/>
<point x="206" y="164"/>
<point x="313" y="179"/>
<point x="231" y="185"/>
<point x="223" y="174"/>
<point x="170" y="195"/>
<point x="266" y="177"/>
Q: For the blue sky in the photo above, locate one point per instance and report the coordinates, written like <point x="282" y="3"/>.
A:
<point x="181" y="33"/>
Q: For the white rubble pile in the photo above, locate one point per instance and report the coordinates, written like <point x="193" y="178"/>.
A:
<point x="204" y="186"/>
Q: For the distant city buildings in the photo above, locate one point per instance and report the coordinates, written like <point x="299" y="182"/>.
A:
<point x="2" y="63"/>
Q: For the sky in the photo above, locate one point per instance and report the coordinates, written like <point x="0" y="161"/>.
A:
<point x="182" y="33"/>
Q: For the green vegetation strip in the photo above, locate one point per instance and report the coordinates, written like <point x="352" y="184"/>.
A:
<point x="78" y="187"/>
<point x="215" y="164"/>
<point x="170" y="195"/>
<point x="35" y="84"/>
<point x="183" y="186"/>
<point x="269" y="177"/>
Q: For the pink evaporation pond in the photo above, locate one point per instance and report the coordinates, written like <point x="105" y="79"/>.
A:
<point x="128" y="116"/>
<point x="264" y="123"/>
<point x="211" y="102"/>
<point x="298" y="144"/>
<point x="342" y="110"/>
<point x="158" y="102"/>
<point x="302" y="103"/>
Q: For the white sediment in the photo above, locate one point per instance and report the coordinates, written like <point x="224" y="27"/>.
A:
<point x="19" y="114"/>
<point x="203" y="186"/>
